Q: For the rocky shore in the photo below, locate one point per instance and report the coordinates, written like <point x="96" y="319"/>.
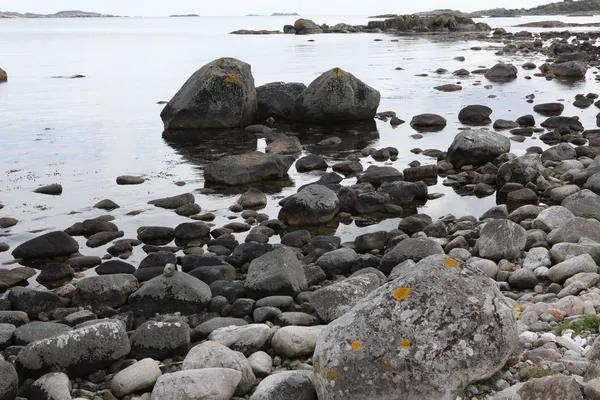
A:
<point x="498" y="306"/>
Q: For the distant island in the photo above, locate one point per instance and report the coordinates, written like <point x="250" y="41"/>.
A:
<point x="567" y="7"/>
<point x="60" y="14"/>
<point x="285" y="15"/>
<point x="183" y="15"/>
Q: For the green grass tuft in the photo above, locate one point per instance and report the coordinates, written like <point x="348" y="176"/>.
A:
<point x="586" y="323"/>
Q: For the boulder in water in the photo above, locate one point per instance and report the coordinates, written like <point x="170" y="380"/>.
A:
<point x="277" y="99"/>
<point x="477" y="147"/>
<point x="246" y="168"/>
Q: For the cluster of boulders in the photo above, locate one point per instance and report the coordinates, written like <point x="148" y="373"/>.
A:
<point x="222" y="95"/>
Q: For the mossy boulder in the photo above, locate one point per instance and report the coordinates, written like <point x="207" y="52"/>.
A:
<point x="336" y="96"/>
<point x="219" y="95"/>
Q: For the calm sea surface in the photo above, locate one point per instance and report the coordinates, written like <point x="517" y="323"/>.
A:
<point x="83" y="133"/>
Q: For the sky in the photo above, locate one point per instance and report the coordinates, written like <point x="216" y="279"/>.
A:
<point x="243" y="7"/>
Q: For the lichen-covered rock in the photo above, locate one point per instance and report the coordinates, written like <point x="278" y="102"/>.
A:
<point x="77" y="352"/>
<point x="477" y="147"/>
<point x="219" y="95"/>
<point x="336" y="96"/>
<point x="435" y="328"/>
<point x="277" y="99"/>
<point x="313" y="205"/>
<point x="246" y="168"/>
<point x="501" y="239"/>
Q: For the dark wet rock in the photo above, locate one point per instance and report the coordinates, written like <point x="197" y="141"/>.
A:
<point x="350" y="340"/>
<point x="559" y="122"/>
<point x="278" y="272"/>
<point x="16" y="318"/>
<point x="167" y="294"/>
<point x="146" y="274"/>
<point x="219" y="95"/>
<point x="33" y="302"/>
<point x="247" y="168"/>
<point x="160" y="340"/>
<point x="188" y="210"/>
<point x="475" y="115"/>
<point x="337" y="262"/>
<point x="311" y="162"/>
<point x="348" y="167"/>
<point x="4" y="247"/>
<point x="582" y="102"/>
<point x="90" y="227"/>
<point x="102" y="238"/>
<point x="414" y="223"/>
<point x="526" y="121"/>
<point x="570" y="69"/>
<point x="106" y="204"/>
<point x="584" y="204"/>
<point x="192" y="230"/>
<point x="403" y="193"/>
<point x="213" y="273"/>
<point x="523" y="196"/>
<point x="501" y="239"/>
<point x="370" y="241"/>
<point x="130" y="180"/>
<point x="284" y="145"/>
<point x="77" y="352"/>
<point x="378" y="175"/>
<point x="477" y="147"/>
<point x="103" y="291"/>
<point x="9" y="380"/>
<point x="120" y="248"/>
<point x="204" y="330"/>
<point x="502" y="124"/>
<point x="277" y="99"/>
<point x="449" y="87"/>
<point x="52" y="190"/>
<point x="156" y="235"/>
<point x="549" y="109"/>
<point x="306" y="27"/>
<point x="172" y="203"/>
<point x="501" y="72"/>
<point x="313" y="205"/>
<point x="55" y="274"/>
<point x="428" y="121"/>
<point x="523" y="169"/>
<point x="297" y="239"/>
<point x="37" y="330"/>
<point x="50" y="245"/>
<point x="252" y="199"/>
<point x="421" y="173"/>
<point x="336" y="96"/>
<point x="409" y="249"/>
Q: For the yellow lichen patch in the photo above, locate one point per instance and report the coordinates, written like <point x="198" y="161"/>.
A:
<point x="317" y="367"/>
<point x="405" y="344"/>
<point x="337" y="72"/>
<point x="356" y="345"/>
<point x="233" y="79"/>
<point x="517" y="308"/>
<point x="219" y="61"/>
<point x="386" y="365"/>
<point x="401" y="293"/>
<point x="332" y="375"/>
<point x="451" y="263"/>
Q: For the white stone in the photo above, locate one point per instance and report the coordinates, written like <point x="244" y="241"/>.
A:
<point x="261" y="363"/>
<point x="139" y="376"/>
<point x="296" y="341"/>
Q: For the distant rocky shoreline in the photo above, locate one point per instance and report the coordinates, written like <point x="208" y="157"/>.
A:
<point x="60" y="14"/>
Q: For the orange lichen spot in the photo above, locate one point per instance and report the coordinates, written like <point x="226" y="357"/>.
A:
<point x="451" y="263"/>
<point x="401" y="293"/>
<point x="405" y="344"/>
<point x="356" y="345"/>
<point x="386" y="365"/>
<point x="219" y="61"/>
<point x="233" y="79"/>
<point x="317" y="367"/>
<point x="336" y="73"/>
<point x="332" y="375"/>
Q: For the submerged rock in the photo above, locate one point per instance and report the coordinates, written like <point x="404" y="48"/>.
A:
<point x="220" y="95"/>
<point x="336" y="96"/>
<point x="414" y="342"/>
<point x="246" y="168"/>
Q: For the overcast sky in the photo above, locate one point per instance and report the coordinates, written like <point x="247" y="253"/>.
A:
<point x="243" y="7"/>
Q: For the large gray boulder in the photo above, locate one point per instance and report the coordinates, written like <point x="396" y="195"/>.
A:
<point x="215" y="355"/>
<point x="313" y="205"/>
<point x="336" y="96"/>
<point x="288" y="385"/>
<point x="219" y="95"/>
<point x="170" y="294"/>
<point x="570" y="69"/>
<point x="32" y="301"/>
<point x="50" y="245"/>
<point x="572" y="266"/>
<point x="574" y="230"/>
<point x="501" y="239"/>
<point x="337" y="262"/>
<point x="206" y="383"/>
<point x="416" y="337"/>
<point x="414" y="249"/>
<point x="277" y="272"/>
<point x="523" y="169"/>
<point x="552" y="218"/>
<point x="277" y="99"/>
<point x="246" y="168"/>
<point x="77" y="352"/>
<point x="585" y="204"/>
<point x="501" y="72"/>
<point x="333" y="301"/>
<point x="104" y="291"/>
<point x="477" y="147"/>
<point x="9" y="381"/>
